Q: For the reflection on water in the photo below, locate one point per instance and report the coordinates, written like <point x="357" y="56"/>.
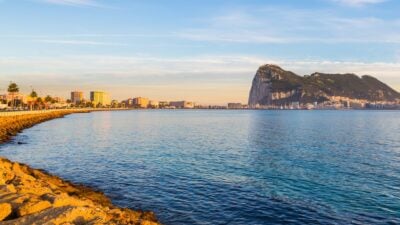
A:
<point x="236" y="167"/>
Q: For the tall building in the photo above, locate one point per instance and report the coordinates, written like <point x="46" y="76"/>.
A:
<point x="76" y="97"/>
<point x="141" y="102"/>
<point x="100" y="98"/>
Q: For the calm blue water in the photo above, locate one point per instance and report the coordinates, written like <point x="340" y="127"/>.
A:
<point x="229" y="167"/>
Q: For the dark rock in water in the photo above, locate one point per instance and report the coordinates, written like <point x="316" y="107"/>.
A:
<point x="274" y="86"/>
<point x="21" y="143"/>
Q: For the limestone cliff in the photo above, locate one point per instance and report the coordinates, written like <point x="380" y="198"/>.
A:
<point x="274" y="86"/>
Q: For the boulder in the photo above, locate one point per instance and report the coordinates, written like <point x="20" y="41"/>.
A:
<point x="5" y="210"/>
<point x="33" y="207"/>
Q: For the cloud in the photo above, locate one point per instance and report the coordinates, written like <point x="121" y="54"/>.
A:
<point x="359" y="2"/>
<point x="285" y="25"/>
<point x="191" y="67"/>
<point x="92" y="3"/>
<point x="235" y="37"/>
<point x="78" y="42"/>
<point x="88" y="35"/>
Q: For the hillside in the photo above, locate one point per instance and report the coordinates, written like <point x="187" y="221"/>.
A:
<point x="274" y="86"/>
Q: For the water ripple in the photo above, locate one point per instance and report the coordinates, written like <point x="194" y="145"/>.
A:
<point x="230" y="167"/>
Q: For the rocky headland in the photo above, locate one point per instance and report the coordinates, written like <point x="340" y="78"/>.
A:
<point x="33" y="196"/>
<point x="274" y="86"/>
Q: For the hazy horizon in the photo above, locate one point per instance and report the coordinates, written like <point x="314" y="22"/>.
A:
<point x="204" y="51"/>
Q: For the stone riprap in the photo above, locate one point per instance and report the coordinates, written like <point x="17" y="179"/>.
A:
<point x="32" y="196"/>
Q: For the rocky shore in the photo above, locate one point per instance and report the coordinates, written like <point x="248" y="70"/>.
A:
<point x="32" y="196"/>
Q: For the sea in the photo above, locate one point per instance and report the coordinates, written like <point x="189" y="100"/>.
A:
<point x="229" y="166"/>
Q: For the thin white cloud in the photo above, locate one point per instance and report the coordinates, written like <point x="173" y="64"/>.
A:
<point x="78" y="42"/>
<point x="88" y="35"/>
<point x="91" y="3"/>
<point x="141" y="65"/>
<point x="282" y="26"/>
<point x="288" y="25"/>
<point x="359" y="2"/>
<point x="238" y="37"/>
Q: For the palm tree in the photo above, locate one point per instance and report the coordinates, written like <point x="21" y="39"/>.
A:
<point x="48" y="99"/>
<point x="33" y="96"/>
<point x="13" y="89"/>
<point x="39" y="102"/>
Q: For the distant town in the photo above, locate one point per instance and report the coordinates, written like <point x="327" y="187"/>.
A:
<point x="13" y="99"/>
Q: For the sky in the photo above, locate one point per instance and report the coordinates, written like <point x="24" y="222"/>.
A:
<point x="205" y="51"/>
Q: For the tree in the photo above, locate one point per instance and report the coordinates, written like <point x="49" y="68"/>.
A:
<point x="48" y="98"/>
<point x="89" y="105"/>
<point x="39" y="102"/>
<point x="13" y="89"/>
<point x="33" y="94"/>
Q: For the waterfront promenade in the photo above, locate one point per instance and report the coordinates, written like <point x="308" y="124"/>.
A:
<point x="32" y="196"/>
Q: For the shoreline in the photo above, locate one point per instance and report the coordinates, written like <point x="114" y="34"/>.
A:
<point x="34" y="196"/>
<point x="89" y="110"/>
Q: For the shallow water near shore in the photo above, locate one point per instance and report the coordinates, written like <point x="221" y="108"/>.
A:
<point x="229" y="167"/>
